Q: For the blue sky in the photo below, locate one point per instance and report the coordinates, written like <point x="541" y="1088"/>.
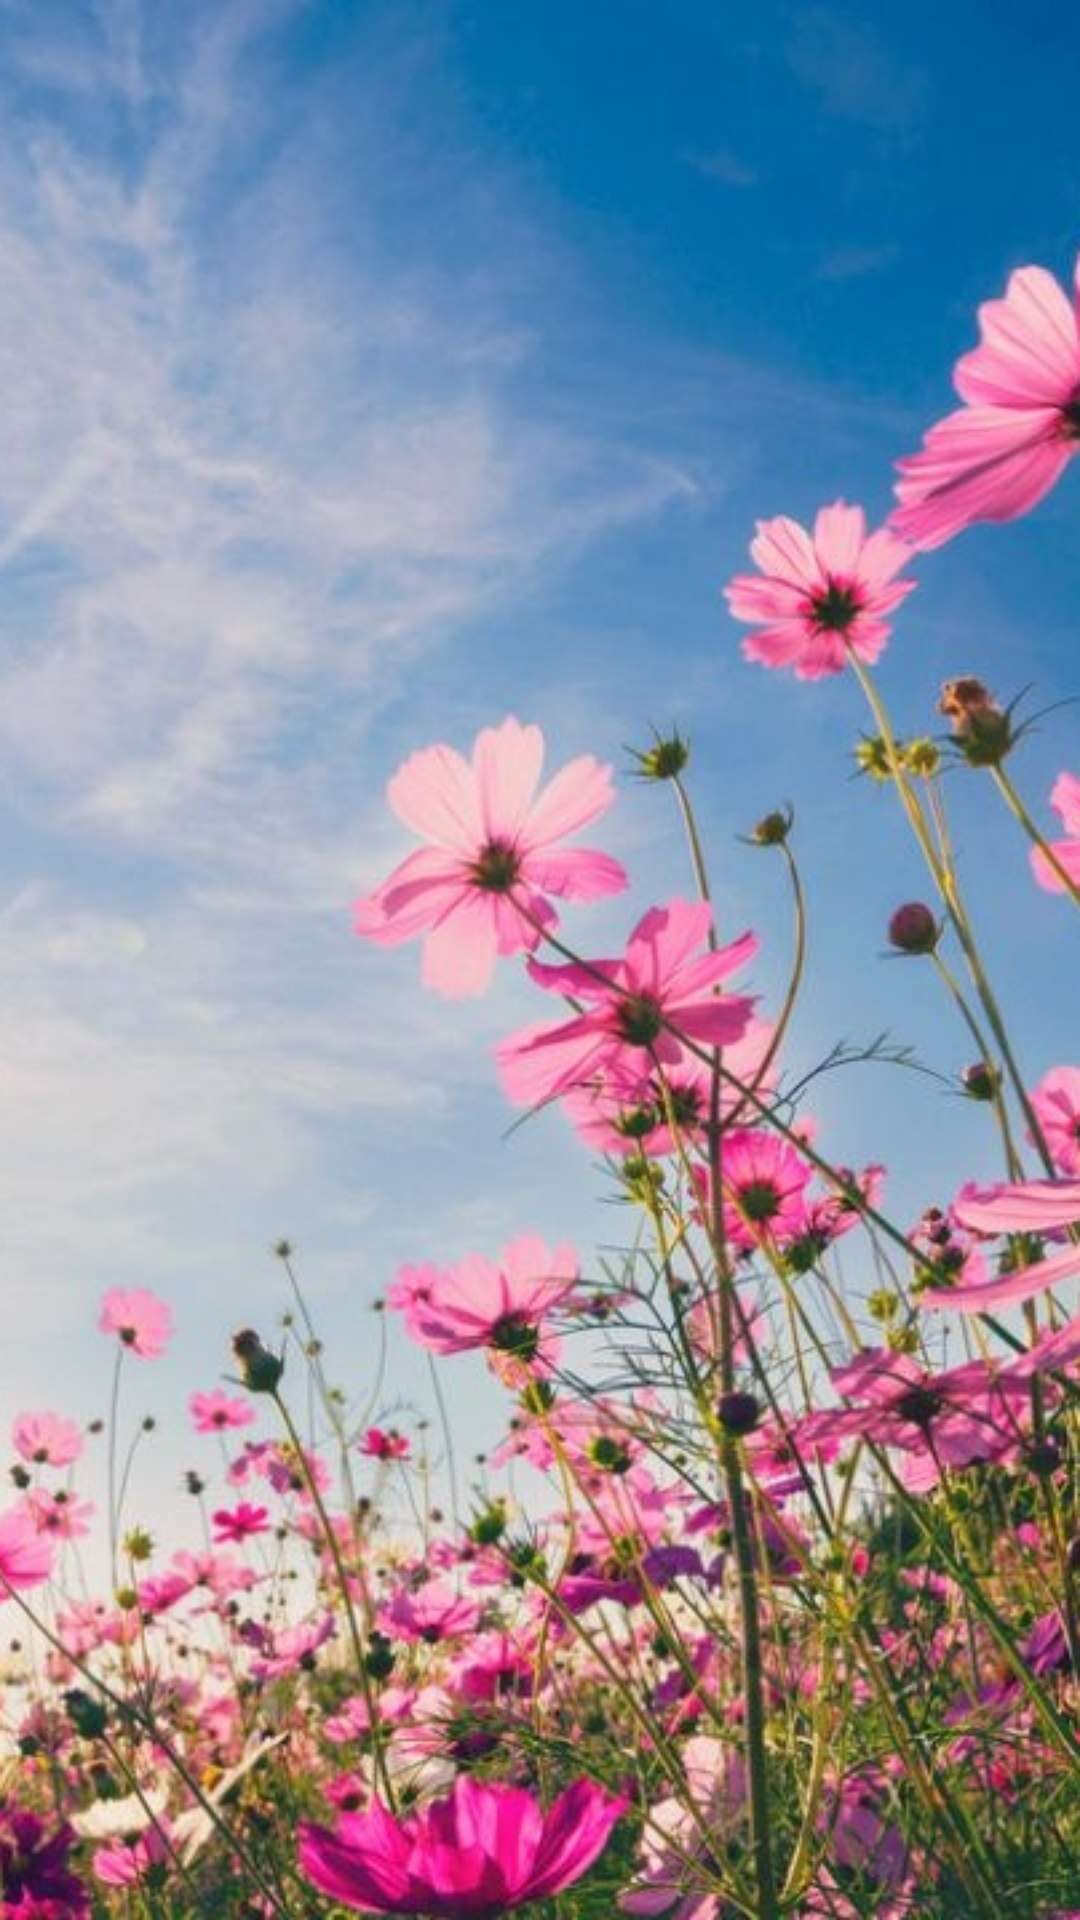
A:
<point x="369" y="374"/>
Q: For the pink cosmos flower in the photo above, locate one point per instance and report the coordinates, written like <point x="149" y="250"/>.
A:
<point x="1065" y="800"/>
<point x="1001" y="452"/>
<point x="58" y="1514"/>
<point x="231" y="1526"/>
<point x="26" y="1555"/>
<point x="958" y="1417"/>
<point x="46" y="1439"/>
<point x="819" y="597"/>
<point x="291" y="1648"/>
<point x="477" y="889"/>
<point x="671" y="1881"/>
<point x="480" y="1304"/>
<point x="378" y="1444"/>
<point x="764" y="1186"/>
<point x="637" y="1010"/>
<point x="216" y="1411"/>
<point x="480" y="1852"/>
<point x="1056" y="1101"/>
<point x="431" y="1613"/>
<point x="142" y="1321"/>
<point x="127" y="1863"/>
<point x="616" y="1113"/>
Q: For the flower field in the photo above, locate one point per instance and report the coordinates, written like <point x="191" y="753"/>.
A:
<point x="767" y="1599"/>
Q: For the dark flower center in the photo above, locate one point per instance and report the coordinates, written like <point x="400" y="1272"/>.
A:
<point x="920" y="1405"/>
<point x="640" y="1020"/>
<point x="1071" y="416"/>
<point x="514" y="1334"/>
<point x="759" y="1200"/>
<point x="496" y="867"/>
<point x="836" y="608"/>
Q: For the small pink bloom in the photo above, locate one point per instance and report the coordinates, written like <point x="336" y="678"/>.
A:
<point x="126" y="1863"/>
<point x="1003" y="450"/>
<point x="1065" y="800"/>
<point x="431" y="1613"/>
<point x="26" y="1555"/>
<point x="240" y="1523"/>
<point x="476" y="890"/>
<point x="292" y="1648"/>
<point x="819" y="597"/>
<point x="479" y="1303"/>
<point x="216" y="1411"/>
<point x="142" y="1321"/>
<point x="482" y="1851"/>
<point x="638" y="1009"/>
<point x="764" y="1187"/>
<point x="378" y="1444"/>
<point x="56" y="1513"/>
<point x="46" y="1439"/>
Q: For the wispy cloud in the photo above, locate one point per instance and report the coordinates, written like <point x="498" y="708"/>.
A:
<point x="855" y="263"/>
<point x="857" y="72"/>
<point x="267" y="446"/>
<point x="720" y="164"/>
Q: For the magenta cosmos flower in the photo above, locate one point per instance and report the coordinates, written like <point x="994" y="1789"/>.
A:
<point x="480" y="1852"/>
<point x="482" y="884"/>
<point x="997" y="456"/>
<point x="216" y="1411"/>
<point x="140" y="1320"/>
<point x="46" y="1439"/>
<point x="822" y="596"/>
<point x="484" y="1303"/>
<point x="637" y="1011"/>
<point x="1065" y="800"/>
<point x="1056" y="1101"/>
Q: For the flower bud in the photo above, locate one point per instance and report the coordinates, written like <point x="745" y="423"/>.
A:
<point x="981" y="1081"/>
<point x="86" y="1713"/>
<point x="921" y="757"/>
<point x="260" y="1369"/>
<point x="773" y="830"/>
<point x="872" y="757"/>
<point x="379" y="1658"/>
<point x="738" y="1413"/>
<point x="913" y="929"/>
<point x="982" y="730"/>
<point x="664" y="760"/>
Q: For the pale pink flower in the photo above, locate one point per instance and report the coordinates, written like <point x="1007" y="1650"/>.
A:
<point x="483" y="881"/>
<point x="1056" y="1101"/>
<point x="819" y="597"/>
<point x="46" y="1439"/>
<point x="26" y="1556"/>
<point x="142" y="1321"/>
<point x="1001" y="452"/>
<point x="1065" y="800"/>
<point x="59" y="1514"/>
<point x="481" y="1303"/>
<point x="637" y="1010"/>
<point x="216" y="1411"/>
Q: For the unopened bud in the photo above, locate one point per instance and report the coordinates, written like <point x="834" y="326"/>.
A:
<point x="738" y="1413"/>
<point x="664" y="760"/>
<point x="982" y="730"/>
<point x="981" y="1081"/>
<point x="773" y="830"/>
<point x="913" y="929"/>
<point x="260" y="1369"/>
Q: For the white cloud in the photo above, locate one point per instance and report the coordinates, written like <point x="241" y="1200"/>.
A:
<point x="260" y="458"/>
